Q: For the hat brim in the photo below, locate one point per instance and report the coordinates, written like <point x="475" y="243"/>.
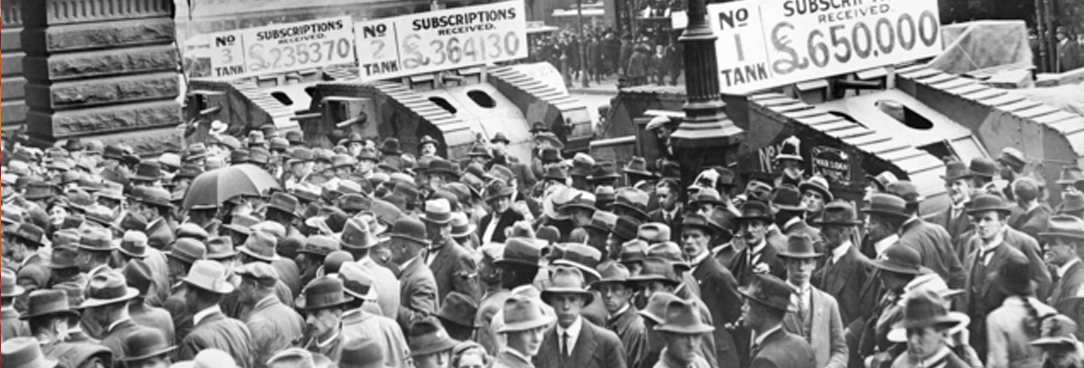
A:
<point x="641" y="173"/>
<point x="784" y="207"/>
<point x="504" y="193"/>
<point x="301" y="305"/>
<point x="780" y="157"/>
<point x="1003" y="209"/>
<point x="949" y="179"/>
<point x="516" y="262"/>
<point x="258" y="256"/>
<point x="959" y="322"/>
<point x="130" y="254"/>
<point x="639" y="279"/>
<point x="368" y="297"/>
<point x="150" y="355"/>
<point x="1056" y="234"/>
<point x="526" y="325"/>
<point x="885" y="213"/>
<point x="640" y="213"/>
<point x="471" y="229"/>
<point x="92" y="249"/>
<point x="747" y="295"/>
<point x="67" y="313"/>
<point x="130" y="293"/>
<point x="237" y="228"/>
<point x="838" y="223"/>
<point x="785" y="254"/>
<point x="588" y="296"/>
<point x="225" y="289"/>
<point x="434" y="347"/>
<point x="697" y="329"/>
<point x="885" y="266"/>
<point x="17" y="291"/>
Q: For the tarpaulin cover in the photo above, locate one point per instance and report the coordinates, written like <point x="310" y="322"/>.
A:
<point x="982" y="45"/>
<point x="1068" y="97"/>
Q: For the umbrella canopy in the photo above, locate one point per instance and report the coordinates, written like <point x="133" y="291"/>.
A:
<point x="214" y="187"/>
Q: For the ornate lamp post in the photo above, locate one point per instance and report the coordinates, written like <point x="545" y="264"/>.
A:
<point x="706" y="137"/>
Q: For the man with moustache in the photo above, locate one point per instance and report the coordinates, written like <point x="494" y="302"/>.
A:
<point x="1062" y="242"/>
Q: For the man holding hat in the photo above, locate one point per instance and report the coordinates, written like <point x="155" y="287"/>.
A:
<point x="323" y="304"/>
<point x="274" y="326"/>
<point x="816" y="316"/>
<point x="718" y="286"/>
<point x="767" y="301"/>
<point x="525" y="324"/>
<point x="48" y="315"/>
<point x="418" y="293"/>
<point x="452" y="266"/>
<point x="576" y="342"/>
<point x="681" y="333"/>
<point x="206" y="285"/>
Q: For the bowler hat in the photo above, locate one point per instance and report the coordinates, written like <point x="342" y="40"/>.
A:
<point x="520" y="252"/>
<point x="787" y="198"/>
<point x="187" y="250"/>
<point x="838" y="213"/>
<point x="817" y="184"/>
<point x="429" y="337"/>
<point x="108" y="288"/>
<point x="458" y="309"/>
<point x="48" y="302"/>
<point x="144" y="343"/>
<point x="925" y="309"/>
<point x="799" y="246"/>
<point x="638" y="166"/>
<point x="683" y="317"/>
<point x="955" y="170"/>
<point x="658" y="306"/>
<point x="886" y="204"/>
<point x="500" y="137"/>
<point x="210" y="276"/>
<point x="25" y="352"/>
<point x="984" y="167"/>
<point x="362" y="353"/>
<point x="755" y="210"/>
<point x="147" y="171"/>
<point x="769" y="291"/>
<point x="390" y="146"/>
<point x="261" y="245"/>
<point x="1070" y="174"/>
<point x="1056" y="330"/>
<point x="900" y="258"/>
<point x="411" y="229"/>
<point x="567" y="280"/>
<point x="988" y="202"/>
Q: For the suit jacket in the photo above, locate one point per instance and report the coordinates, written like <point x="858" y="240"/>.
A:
<point x="658" y="215"/>
<point x="386" y="285"/>
<point x="844" y="281"/>
<point x="1031" y="222"/>
<point x="934" y="244"/>
<point x="418" y="295"/>
<point x="158" y="318"/>
<point x="980" y="297"/>
<point x="1008" y="341"/>
<point x="159" y="235"/>
<point x="455" y="270"/>
<point x="1068" y="56"/>
<point x="1030" y="247"/>
<point x="955" y="226"/>
<point x="504" y="221"/>
<point x="290" y="275"/>
<point x="160" y="289"/>
<point x="720" y="294"/>
<point x="743" y="271"/>
<point x="216" y="331"/>
<point x="596" y="347"/>
<point x="11" y="326"/>
<point x="629" y="327"/>
<point x="1068" y="285"/>
<point x="78" y="355"/>
<point x="273" y="327"/>
<point x="824" y="333"/>
<point x="782" y="350"/>
<point x="385" y="331"/>
<point x="509" y="360"/>
<point x="114" y="338"/>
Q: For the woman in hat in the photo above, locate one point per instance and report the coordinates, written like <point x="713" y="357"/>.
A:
<point x="1011" y="327"/>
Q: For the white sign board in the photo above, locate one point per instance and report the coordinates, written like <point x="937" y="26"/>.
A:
<point x="441" y="40"/>
<point x="768" y="43"/>
<point x="282" y="48"/>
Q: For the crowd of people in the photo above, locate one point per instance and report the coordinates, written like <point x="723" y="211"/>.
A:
<point x="366" y="256"/>
<point x="651" y="57"/>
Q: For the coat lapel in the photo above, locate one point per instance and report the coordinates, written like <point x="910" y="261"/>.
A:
<point x="995" y="264"/>
<point x="585" y="344"/>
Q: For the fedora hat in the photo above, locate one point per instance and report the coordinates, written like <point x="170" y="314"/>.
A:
<point x="638" y="166"/>
<point x="111" y="190"/>
<point x="187" y="250"/>
<point x="409" y="228"/>
<point x="550" y="155"/>
<point x="582" y="257"/>
<point x="1056" y="330"/>
<point x="567" y="280"/>
<point x="500" y="137"/>
<point x="790" y="150"/>
<point x="210" y="276"/>
<point x="132" y="222"/>
<point x="549" y="140"/>
<point x="634" y="200"/>
<point x="63" y="257"/>
<point x="242" y="224"/>
<point x="48" y="302"/>
<point x="658" y="306"/>
<point x="357" y="281"/>
<point x="319" y="245"/>
<point x="25" y="352"/>
<point x="683" y="317"/>
<point x="1073" y="202"/>
<point x="695" y="220"/>
<point x="429" y="337"/>
<point x="838" y="213"/>
<point x="582" y="200"/>
<point x="538" y="126"/>
<point x="611" y="272"/>
<point x="925" y="309"/>
<point x="900" y="258"/>
<point x="556" y="172"/>
<point x="498" y="189"/>
<point x="107" y="288"/>
<point x="886" y="204"/>
<point x="144" y="343"/>
<point x="799" y="246"/>
<point x="438" y="211"/>
<point x="603" y="171"/>
<point x="906" y="190"/>
<point x="27" y="232"/>
<point x="301" y="155"/>
<point x="1063" y="226"/>
<point x="258" y="271"/>
<point x="984" y="167"/>
<point x="284" y="202"/>
<point x="1070" y="174"/>
<point x="788" y="198"/>
<point x="653" y="233"/>
<point x="458" y="309"/>
<point x="1012" y="277"/>
<point x="195" y="151"/>
<point x="147" y="171"/>
<point x="356" y="235"/>
<point x="9" y="287"/>
<point x="39" y="190"/>
<point x="656" y="269"/>
<point x="153" y="196"/>
<point x="221" y="247"/>
<point x="581" y="165"/>
<point x="755" y="210"/>
<point x="633" y="251"/>
<point x="362" y="353"/>
<point x="442" y="166"/>
<point x="240" y="156"/>
<point x="97" y="240"/>
<point x="295" y="137"/>
<point x="955" y="170"/>
<point x="671" y="252"/>
<point x="817" y="184"/>
<point x="523" y="313"/>
<point x="602" y="221"/>
<point x="988" y="202"/>
<point x="769" y="291"/>
<point x="261" y="245"/>
<point x="479" y="150"/>
<point x="138" y="275"/>
<point x="520" y="252"/>
<point x="134" y="244"/>
<point x="461" y="226"/>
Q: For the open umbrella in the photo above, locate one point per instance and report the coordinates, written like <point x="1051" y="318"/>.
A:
<point x="214" y="187"/>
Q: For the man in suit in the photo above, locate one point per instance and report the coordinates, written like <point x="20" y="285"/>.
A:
<point x="1062" y="243"/>
<point x="273" y="325"/>
<point x="991" y="249"/>
<point x="1068" y="52"/>
<point x="845" y="270"/>
<point x="138" y="276"/>
<point x="358" y="323"/>
<point x="758" y="250"/>
<point x="23" y="243"/>
<point x="670" y="210"/>
<point x="358" y="239"/>
<point x="452" y="266"/>
<point x="575" y="341"/>
<point x="492" y="227"/>
<point x="680" y="333"/>
<point x="767" y="301"/>
<point x="419" y="287"/>
<point x="323" y="304"/>
<point x="206" y="286"/>
<point x="107" y="306"/>
<point x="624" y="320"/>
<point x="185" y="253"/>
<point x="815" y="316"/>
<point x="718" y="286"/>
<point x="1016" y="239"/>
<point x="931" y="241"/>
<point x="10" y="324"/>
<point x="958" y="183"/>
<point x="48" y="311"/>
<point x="790" y="214"/>
<point x="1029" y="215"/>
<point x="524" y="327"/>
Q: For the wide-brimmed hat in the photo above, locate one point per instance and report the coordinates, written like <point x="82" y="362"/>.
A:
<point x="611" y="272"/>
<point x="634" y="200"/>
<point x="323" y="293"/>
<point x="144" y="343"/>
<point x="988" y="202"/>
<point x="1063" y="226"/>
<point x="25" y="352"/>
<point x="603" y="171"/>
<point x="461" y="225"/>
<point x="696" y="220"/>
<point x="362" y="353"/>
<point x="187" y="250"/>
<point x="261" y="245"/>
<point x="567" y="280"/>
<point x="638" y="166"/>
<point x="500" y="137"/>
<point x="1073" y="202"/>
<point x="498" y="189"/>
<point x="582" y="200"/>
<point x="442" y="166"/>
<point x="438" y="211"/>
<point x="900" y="258"/>
<point x="258" y="271"/>
<point x="134" y="244"/>
<point x="769" y="291"/>
<point x="658" y="306"/>
<point x="108" y="288"/>
<point x="97" y="240"/>
<point x="653" y="232"/>
<point x="409" y="228"/>
<point x="284" y="202"/>
<point x="520" y="252"/>
<point x="429" y="337"/>
<point x="906" y="190"/>
<point x="886" y="204"/>
<point x="147" y="171"/>
<point x="1070" y="174"/>
<point x="799" y="246"/>
<point x="47" y="302"/>
<point x="755" y="210"/>
<point x="787" y="198"/>
<point x="1013" y="277"/>
<point x="357" y="281"/>
<point x="1056" y="330"/>
<point x="817" y="184"/>
<point x="210" y="276"/>
<point x="982" y="166"/>
<point x="955" y="170"/>
<point x="582" y="257"/>
<point x="656" y="269"/>
<point x="523" y="313"/>
<point x="220" y="247"/>
<point x="633" y="251"/>
<point x="63" y="257"/>
<point x="458" y="309"/>
<point x="838" y="213"/>
<point x="925" y="309"/>
<point x="27" y="232"/>
<point x="683" y="317"/>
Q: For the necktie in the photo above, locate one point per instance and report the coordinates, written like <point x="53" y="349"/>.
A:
<point x="566" y="350"/>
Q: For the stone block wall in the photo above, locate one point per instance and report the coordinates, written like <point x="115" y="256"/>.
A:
<point x="12" y="83"/>
<point x="102" y="69"/>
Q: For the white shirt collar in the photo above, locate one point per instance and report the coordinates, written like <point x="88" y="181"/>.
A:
<point x="620" y="312"/>
<point x="792" y="221"/>
<point x="408" y="263"/>
<point x="116" y="323"/>
<point x="1065" y="267"/>
<point x="700" y="258"/>
<point x="325" y="343"/>
<point x="573" y="334"/>
<point x="199" y="316"/>
<point x="756" y="248"/>
<point x="841" y="250"/>
<point x="760" y="338"/>
<point x="882" y="245"/>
